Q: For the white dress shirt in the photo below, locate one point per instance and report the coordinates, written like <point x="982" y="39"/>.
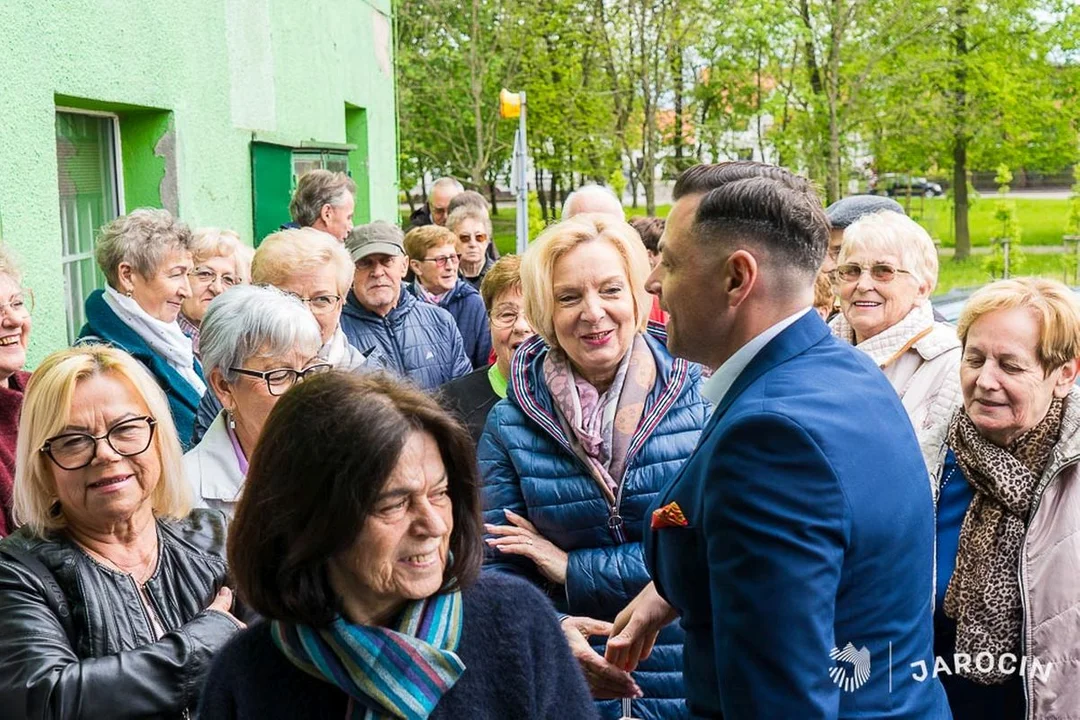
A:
<point x="716" y="387"/>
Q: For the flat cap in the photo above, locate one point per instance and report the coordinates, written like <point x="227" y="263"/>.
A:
<point x="844" y="212"/>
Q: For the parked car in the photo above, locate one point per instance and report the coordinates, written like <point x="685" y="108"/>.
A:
<point x="893" y="184"/>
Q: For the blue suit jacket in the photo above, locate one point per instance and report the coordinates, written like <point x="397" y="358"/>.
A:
<point x="810" y="526"/>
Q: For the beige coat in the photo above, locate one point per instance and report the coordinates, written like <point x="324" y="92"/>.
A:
<point x="1049" y="571"/>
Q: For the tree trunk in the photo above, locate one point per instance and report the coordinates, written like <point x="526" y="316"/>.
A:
<point x="677" y="78"/>
<point x="541" y="195"/>
<point x="960" y="134"/>
<point x="492" y="195"/>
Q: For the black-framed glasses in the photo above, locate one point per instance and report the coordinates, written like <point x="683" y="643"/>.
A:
<point x="441" y="262"/>
<point x="206" y="276"/>
<point x="279" y="380"/>
<point x="320" y="304"/>
<point x="72" y="451"/>
<point x="881" y="272"/>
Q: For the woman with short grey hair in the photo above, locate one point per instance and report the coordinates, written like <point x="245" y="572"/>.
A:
<point x="146" y="257"/>
<point x="257" y="342"/>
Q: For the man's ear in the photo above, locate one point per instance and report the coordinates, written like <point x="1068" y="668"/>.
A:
<point x="325" y="213"/>
<point x="740" y="276"/>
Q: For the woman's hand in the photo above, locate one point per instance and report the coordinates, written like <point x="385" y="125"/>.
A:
<point x="605" y="680"/>
<point x="522" y="538"/>
<point x="223" y="603"/>
<point x="634" y="631"/>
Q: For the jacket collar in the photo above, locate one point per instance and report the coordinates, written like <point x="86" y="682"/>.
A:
<point x="528" y="389"/>
<point x="219" y="473"/>
<point x="461" y="289"/>
<point x="804" y="333"/>
<point x="104" y="323"/>
<point x="406" y="301"/>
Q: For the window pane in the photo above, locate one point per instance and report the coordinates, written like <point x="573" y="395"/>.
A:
<point x="86" y="176"/>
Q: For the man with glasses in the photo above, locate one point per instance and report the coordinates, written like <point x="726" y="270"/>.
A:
<point x="417" y="339"/>
<point x="434" y="259"/>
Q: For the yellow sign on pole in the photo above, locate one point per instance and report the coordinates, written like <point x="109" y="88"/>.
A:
<point x="509" y="104"/>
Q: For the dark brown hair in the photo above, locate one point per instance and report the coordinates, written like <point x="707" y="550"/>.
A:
<point x="705" y="177"/>
<point x="649" y="229"/>
<point x="327" y="450"/>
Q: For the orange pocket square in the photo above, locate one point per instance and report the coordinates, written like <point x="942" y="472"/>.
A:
<point x="671" y="515"/>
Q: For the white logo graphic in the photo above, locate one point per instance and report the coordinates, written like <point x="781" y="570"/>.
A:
<point x="859" y="660"/>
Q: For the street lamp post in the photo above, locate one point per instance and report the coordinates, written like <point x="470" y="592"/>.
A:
<point x="512" y="105"/>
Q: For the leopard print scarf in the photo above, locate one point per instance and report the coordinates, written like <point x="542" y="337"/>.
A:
<point x="984" y="593"/>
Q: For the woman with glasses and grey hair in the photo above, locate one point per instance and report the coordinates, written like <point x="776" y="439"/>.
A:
<point x="257" y="343"/>
<point x="112" y="591"/>
<point x="885" y="272"/>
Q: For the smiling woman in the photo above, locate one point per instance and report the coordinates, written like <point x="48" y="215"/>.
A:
<point x="16" y="304"/>
<point x="146" y="259"/>
<point x="369" y="573"/>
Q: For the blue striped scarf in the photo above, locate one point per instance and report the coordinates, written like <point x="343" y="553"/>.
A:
<point x="387" y="673"/>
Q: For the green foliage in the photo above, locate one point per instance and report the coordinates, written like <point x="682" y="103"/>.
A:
<point x="1072" y="225"/>
<point x="536" y="217"/>
<point x="997" y="264"/>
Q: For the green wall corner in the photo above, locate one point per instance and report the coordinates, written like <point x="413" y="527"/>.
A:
<point x="356" y="133"/>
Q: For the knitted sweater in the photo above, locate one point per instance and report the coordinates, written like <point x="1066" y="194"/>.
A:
<point x="517" y="665"/>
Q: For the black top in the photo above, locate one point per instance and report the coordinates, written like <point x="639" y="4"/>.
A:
<point x="471" y="398"/>
<point x="517" y="665"/>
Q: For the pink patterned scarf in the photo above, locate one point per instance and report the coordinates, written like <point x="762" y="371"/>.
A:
<point x="601" y="425"/>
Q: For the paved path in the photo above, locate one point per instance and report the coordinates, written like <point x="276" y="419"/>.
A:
<point x="986" y="249"/>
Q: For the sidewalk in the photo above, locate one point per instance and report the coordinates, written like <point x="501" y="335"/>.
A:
<point x="986" y="249"/>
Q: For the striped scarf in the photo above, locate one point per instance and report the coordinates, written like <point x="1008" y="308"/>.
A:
<point x="387" y="673"/>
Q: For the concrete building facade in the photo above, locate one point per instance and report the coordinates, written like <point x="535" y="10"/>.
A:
<point x="208" y="108"/>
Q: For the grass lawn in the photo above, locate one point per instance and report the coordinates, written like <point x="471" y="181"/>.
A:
<point x="970" y="272"/>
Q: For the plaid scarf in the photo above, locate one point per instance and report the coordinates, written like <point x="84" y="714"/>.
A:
<point x="984" y="592"/>
<point x="387" y="673"/>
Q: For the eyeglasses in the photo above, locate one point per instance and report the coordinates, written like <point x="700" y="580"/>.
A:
<point x="320" y="304"/>
<point x="506" y="318"/>
<point x="475" y="237"/>
<point x="443" y="261"/>
<point x="72" y="451"/>
<point x="279" y="381"/>
<point x="206" y="276"/>
<point x="881" y="272"/>
<point x="20" y="305"/>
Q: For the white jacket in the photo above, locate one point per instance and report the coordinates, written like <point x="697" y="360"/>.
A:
<point x="212" y="470"/>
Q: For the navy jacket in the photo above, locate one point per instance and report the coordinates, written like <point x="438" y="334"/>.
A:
<point x="417" y="339"/>
<point x="810" y="526"/>
<point x="465" y="304"/>
<point x="102" y="324"/>
<point x="517" y="665"/>
<point x="528" y="467"/>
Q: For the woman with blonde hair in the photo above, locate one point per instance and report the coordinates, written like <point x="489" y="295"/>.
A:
<point x="598" y="418"/>
<point x="1004" y="467"/>
<point x="215" y="255"/>
<point x="112" y="595"/>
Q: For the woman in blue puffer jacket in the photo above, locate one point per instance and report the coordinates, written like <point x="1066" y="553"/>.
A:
<point x="597" y="419"/>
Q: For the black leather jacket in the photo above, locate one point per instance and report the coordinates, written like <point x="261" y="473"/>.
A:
<point x="117" y="668"/>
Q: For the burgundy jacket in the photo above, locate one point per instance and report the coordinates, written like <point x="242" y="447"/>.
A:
<point x="11" y="400"/>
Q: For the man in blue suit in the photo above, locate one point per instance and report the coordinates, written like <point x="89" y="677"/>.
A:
<point x="796" y="544"/>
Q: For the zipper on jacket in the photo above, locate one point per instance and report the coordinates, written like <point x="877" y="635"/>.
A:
<point x="1025" y="626"/>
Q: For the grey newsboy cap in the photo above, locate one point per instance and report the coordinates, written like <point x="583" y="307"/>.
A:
<point x="377" y="238"/>
<point x="844" y="212"/>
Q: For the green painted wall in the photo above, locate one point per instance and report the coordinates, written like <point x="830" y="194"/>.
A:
<point x="194" y="81"/>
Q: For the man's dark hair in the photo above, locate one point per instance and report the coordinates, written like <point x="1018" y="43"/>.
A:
<point x="705" y="177"/>
<point x="786" y="222"/>
<point x="649" y="229"/>
<point x="326" y="452"/>
<point x="469" y="197"/>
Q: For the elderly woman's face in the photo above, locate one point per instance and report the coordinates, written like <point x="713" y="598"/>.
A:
<point x="112" y="488"/>
<point x="318" y="283"/>
<point x="594" y="309"/>
<point x="872" y="306"/>
<point x="509" y="328"/>
<point x="1005" y="389"/>
<point x="14" y="326"/>
<point x="210" y="278"/>
<point x="401" y="552"/>
<point x="473" y="240"/>
<point x="162" y="294"/>
<point x="249" y="399"/>
<point x="437" y="271"/>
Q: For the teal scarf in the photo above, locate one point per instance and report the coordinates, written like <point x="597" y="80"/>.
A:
<point x="387" y="673"/>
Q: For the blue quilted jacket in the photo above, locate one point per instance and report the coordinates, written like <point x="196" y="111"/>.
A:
<point x="528" y="467"/>
<point x="467" y="307"/>
<point x="419" y="341"/>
